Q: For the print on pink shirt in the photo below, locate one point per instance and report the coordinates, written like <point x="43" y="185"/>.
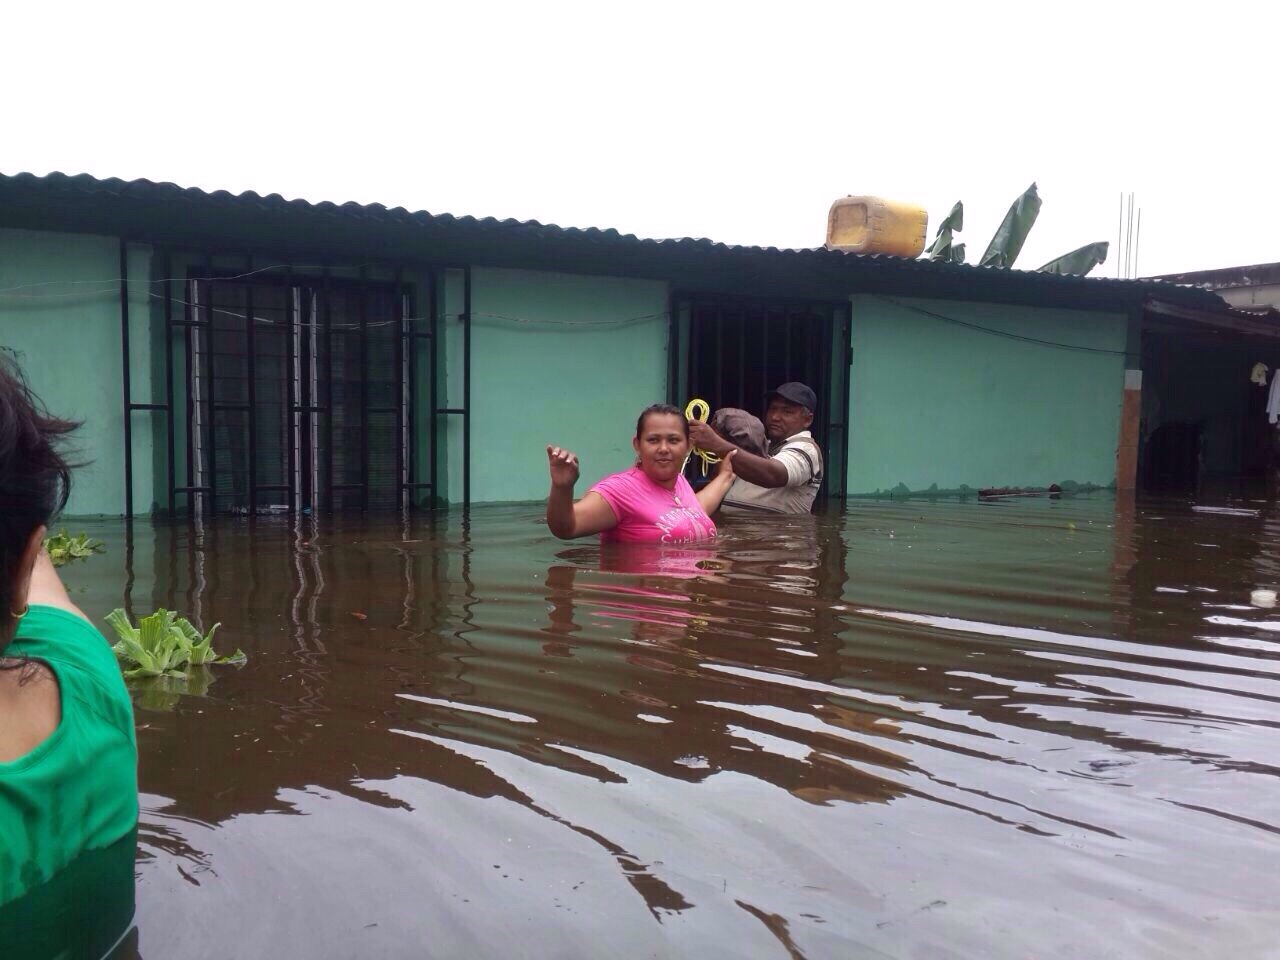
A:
<point x="648" y="513"/>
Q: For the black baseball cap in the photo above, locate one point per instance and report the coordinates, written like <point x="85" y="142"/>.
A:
<point x="796" y="393"/>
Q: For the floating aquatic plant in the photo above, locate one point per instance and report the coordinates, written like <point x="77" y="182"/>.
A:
<point x="164" y="645"/>
<point x="64" y="549"/>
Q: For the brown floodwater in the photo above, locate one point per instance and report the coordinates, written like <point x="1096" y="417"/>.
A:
<point x="1027" y="728"/>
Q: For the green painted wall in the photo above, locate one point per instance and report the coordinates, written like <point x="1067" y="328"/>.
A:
<point x="935" y="403"/>
<point x="555" y="359"/>
<point x="63" y="325"/>
<point x="561" y="358"/>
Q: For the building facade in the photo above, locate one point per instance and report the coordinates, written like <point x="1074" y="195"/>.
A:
<point x="250" y="354"/>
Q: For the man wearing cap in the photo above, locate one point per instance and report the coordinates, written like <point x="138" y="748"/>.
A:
<point x="787" y="480"/>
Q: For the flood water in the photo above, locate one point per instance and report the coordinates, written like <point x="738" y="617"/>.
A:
<point x="930" y="730"/>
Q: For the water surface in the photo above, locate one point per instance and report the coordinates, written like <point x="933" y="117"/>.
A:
<point x="1021" y="729"/>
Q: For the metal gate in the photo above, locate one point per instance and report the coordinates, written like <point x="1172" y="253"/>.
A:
<point x="731" y="351"/>
<point x="292" y="391"/>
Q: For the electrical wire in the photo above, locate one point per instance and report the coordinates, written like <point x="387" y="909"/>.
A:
<point x="116" y="281"/>
<point x="113" y="283"/>
<point x="1000" y="333"/>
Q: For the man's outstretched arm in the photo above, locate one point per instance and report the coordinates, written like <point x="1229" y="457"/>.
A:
<point x="762" y="471"/>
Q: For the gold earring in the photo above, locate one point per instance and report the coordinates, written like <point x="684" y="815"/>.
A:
<point x="26" y="607"/>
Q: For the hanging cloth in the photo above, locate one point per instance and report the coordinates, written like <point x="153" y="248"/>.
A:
<point x="1273" y="399"/>
<point x="1258" y="374"/>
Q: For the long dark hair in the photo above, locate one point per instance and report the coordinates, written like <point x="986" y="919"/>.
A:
<point x="35" y="479"/>
<point x="657" y="409"/>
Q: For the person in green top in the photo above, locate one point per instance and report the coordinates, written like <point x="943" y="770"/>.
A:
<point x="68" y="757"/>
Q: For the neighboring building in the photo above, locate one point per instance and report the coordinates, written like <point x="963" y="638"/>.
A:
<point x="1255" y="289"/>
<point x="399" y="357"/>
<point x="1204" y="420"/>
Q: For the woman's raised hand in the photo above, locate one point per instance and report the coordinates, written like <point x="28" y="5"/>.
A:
<point x="563" y="466"/>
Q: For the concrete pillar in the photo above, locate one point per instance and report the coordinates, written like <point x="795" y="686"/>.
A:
<point x="1130" y="407"/>
<point x="1130" y="427"/>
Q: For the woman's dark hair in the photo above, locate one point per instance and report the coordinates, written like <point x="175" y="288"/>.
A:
<point x="35" y="478"/>
<point x="662" y="409"/>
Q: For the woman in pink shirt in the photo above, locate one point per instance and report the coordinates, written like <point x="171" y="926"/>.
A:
<point x="650" y="503"/>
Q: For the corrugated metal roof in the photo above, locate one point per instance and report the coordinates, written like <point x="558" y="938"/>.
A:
<point x="901" y="273"/>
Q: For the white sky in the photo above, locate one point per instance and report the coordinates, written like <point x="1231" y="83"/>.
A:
<point x="736" y="121"/>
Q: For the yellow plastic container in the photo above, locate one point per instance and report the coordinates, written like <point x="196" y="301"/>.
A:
<point x="873" y="225"/>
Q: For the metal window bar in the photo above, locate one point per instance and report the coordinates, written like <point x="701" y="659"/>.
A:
<point x="187" y="336"/>
<point x="251" y="388"/>
<point x="326" y="321"/>
<point x="211" y="448"/>
<point x="463" y="411"/>
<point x="397" y="343"/>
<point x="466" y="389"/>
<point x="433" y="404"/>
<point x="171" y="467"/>
<point x="363" y="389"/>
<point x="290" y="416"/>
<point x="807" y="330"/>
<point x="305" y="351"/>
<point x="128" y="396"/>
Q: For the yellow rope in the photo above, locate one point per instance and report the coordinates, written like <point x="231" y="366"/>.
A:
<point x="700" y="411"/>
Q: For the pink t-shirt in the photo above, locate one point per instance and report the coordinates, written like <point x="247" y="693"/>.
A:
<point x="648" y="513"/>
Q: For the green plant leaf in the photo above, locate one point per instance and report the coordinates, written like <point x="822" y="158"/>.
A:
<point x="1007" y="243"/>
<point x="63" y="549"/>
<point x="118" y="620"/>
<point x="167" y="647"/>
<point x="943" y="247"/>
<point x="1079" y="262"/>
<point x="202" y="648"/>
<point x="237" y="659"/>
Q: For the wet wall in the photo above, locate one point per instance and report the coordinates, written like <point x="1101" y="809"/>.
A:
<point x="60" y="319"/>
<point x="992" y="396"/>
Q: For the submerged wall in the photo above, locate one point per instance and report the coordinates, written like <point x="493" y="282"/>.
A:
<point x="939" y="404"/>
<point x="569" y="359"/>
<point x="559" y="359"/>
<point x="60" y="319"/>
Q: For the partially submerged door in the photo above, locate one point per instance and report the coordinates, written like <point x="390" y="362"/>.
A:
<point x="732" y="351"/>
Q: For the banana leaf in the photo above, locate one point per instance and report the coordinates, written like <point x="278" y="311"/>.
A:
<point x="1007" y="243"/>
<point x="1079" y="262"/>
<point x="942" y="247"/>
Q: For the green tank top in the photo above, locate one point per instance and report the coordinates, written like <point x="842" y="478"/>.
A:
<point x="78" y="790"/>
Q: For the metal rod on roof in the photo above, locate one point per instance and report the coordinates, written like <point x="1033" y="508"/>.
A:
<point x="1120" y="236"/>
<point x="1128" y="244"/>
<point x="1137" y="242"/>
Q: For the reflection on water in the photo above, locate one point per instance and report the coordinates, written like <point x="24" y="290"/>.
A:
<point x="998" y="730"/>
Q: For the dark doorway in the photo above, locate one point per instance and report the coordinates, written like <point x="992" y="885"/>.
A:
<point x="1204" y="421"/>
<point x="738" y="349"/>
<point x="1173" y="459"/>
